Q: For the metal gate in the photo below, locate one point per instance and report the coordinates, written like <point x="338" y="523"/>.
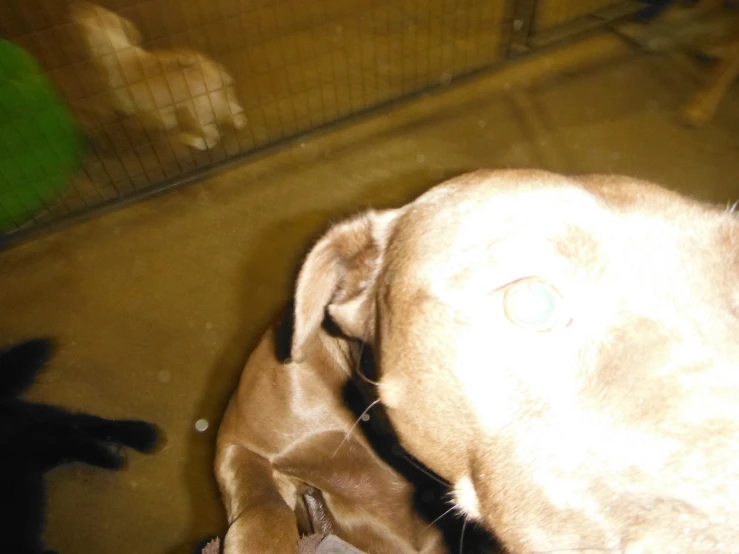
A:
<point x="166" y="90"/>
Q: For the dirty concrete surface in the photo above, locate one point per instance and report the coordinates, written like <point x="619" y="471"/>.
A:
<point x="157" y="305"/>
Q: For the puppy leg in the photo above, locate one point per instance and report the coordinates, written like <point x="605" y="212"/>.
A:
<point x="238" y="119"/>
<point x="259" y="519"/>
<point x="192" y="133"/>
<point x="705" y="103"/>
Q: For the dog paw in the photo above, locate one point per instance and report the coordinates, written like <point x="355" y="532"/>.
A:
<point x="211" y="141"/>
<point x="198" y="143"/>
<point x="202" y="143"/>
<point x="239" y="121"/>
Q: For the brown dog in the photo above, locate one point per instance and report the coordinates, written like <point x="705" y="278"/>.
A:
<point x="293" y="452"/>
<point x="289" y="459"/>
<point x="563" y="350"/>
<point x="177" y="91"/>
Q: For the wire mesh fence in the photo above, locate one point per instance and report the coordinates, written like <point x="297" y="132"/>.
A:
<point x="165" y="88"/>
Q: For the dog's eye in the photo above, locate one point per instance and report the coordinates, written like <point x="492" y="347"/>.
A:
<point x="533" y="304"/>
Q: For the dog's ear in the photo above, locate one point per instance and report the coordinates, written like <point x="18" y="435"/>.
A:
<point x="338" y="278"/>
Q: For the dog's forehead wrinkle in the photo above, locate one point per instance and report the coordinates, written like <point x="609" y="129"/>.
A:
<point x="467" y="235"/>
<point x="484" y="209"/>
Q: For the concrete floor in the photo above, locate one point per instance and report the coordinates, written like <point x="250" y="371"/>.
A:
<point x="158" y="304"/>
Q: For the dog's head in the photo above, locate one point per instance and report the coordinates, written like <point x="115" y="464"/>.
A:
<point x="104" y="31"/>
<point x="562" y="350"/>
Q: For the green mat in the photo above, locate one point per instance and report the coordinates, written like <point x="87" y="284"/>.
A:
<point x="40" y="146"/>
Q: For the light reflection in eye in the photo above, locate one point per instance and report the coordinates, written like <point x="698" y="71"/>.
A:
<point x="533" y="304"/>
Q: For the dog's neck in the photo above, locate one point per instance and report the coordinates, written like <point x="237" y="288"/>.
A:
<point x="349" y="356"/>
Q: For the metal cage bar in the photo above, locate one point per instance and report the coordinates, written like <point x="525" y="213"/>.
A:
<point x="168" y="90"/>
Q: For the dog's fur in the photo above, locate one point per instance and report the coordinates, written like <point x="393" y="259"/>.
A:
<point x="163" y="88"/>
<point x="610" y="425"/>
<point x="35" y="438"/>
<point x="294" y="456"/>
<point x="615" y="427"/>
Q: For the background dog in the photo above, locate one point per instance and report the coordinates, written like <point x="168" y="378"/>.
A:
<point x="177" y="91"/>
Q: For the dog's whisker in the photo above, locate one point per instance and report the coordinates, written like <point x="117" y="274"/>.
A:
<point x="358" y="370"/>
<point x="437" y="519"/>
<point x="347" y="354"/>
<point x="579" y="549"/>
<point x="354" y="425"/>
<point x="425" y="471"/>
<point x="461" y="535"/>
<point x="367" y="379"/>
